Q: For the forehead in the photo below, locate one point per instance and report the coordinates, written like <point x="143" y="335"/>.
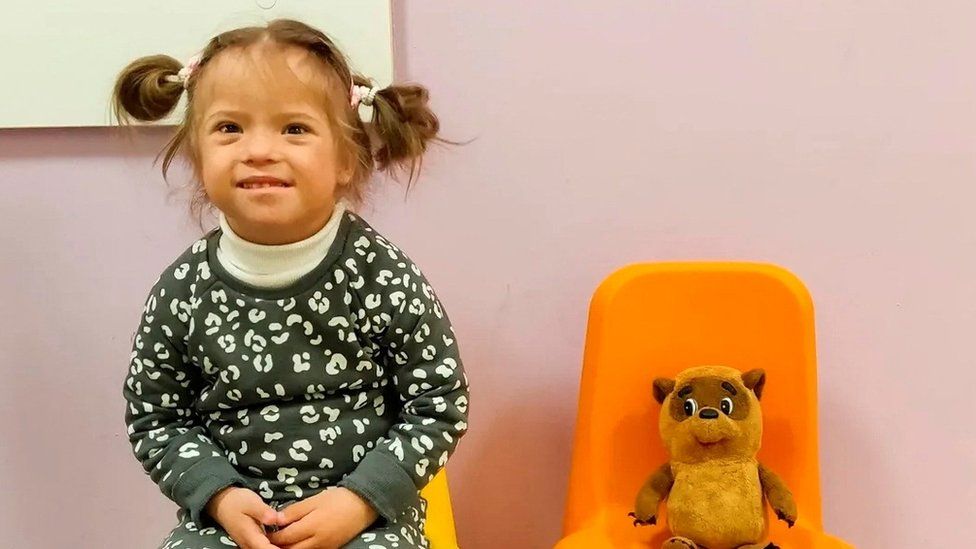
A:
<point x="709" y="386"/>
<point x="264" y="77"/>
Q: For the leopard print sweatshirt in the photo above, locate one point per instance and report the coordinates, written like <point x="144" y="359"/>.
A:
<point x="350" y="376"/>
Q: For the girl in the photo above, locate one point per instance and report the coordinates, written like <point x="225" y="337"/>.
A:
<point x="294" y="380"/>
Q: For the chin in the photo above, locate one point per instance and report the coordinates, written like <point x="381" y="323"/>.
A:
<point x="271" y="216"/>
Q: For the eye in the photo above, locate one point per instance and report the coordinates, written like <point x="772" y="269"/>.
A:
<point x="300" y="129"/>
<point x="691" y="407"/>
<point x="727" y="406"/>
<point x="228" y="127"/>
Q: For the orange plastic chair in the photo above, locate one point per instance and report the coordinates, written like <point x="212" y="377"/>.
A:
<point x="654" y="320"/>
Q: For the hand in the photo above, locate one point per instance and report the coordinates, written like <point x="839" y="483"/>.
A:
<point x="327" y="520"/>
<point x="645" y="520"/>
<point x="242" y="513"/>
<point x="787" y="515"/>
<point x="785" y="509"/>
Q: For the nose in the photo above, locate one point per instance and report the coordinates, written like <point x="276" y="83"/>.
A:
<point x="708" y="413"/>
<point x="260" y="148"/>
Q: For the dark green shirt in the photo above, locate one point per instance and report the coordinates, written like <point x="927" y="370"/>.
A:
<point x="350" y="376"/>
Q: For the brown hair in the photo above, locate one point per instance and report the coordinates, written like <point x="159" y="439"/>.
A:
<point x="394" y="141"/>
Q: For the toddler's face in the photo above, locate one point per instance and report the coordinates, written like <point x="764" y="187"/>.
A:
<point x="266" y="150"/>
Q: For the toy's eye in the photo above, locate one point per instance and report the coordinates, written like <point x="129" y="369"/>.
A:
<point x="727" y="406"/>
<point x="691" y="407"/>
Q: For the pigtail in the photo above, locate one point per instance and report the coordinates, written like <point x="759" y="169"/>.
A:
<point x="147" y="89"/>
<point x="403" y="125"/>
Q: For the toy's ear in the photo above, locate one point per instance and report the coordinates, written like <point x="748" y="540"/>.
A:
<point x="755" y="380"/>
<point x="662" y="388"/>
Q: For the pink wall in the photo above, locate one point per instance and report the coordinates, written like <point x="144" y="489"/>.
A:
<point x="836" y="139"/>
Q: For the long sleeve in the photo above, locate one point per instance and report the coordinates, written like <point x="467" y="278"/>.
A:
<point x="160" y="389"/>
<point x="412" y="328"/>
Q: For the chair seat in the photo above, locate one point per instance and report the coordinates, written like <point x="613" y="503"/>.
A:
<point x="440" y="515"/>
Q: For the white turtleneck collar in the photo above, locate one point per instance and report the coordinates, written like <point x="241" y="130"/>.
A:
<point x="267" y="266"/>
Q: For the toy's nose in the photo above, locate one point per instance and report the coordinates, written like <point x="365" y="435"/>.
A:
<point x="708" y="413"/>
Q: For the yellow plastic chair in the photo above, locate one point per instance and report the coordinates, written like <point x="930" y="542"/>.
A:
<point x="654" y="320"/>
<point x="440" y="514"/>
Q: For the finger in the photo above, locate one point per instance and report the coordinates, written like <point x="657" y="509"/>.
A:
<point x="261" y="512"/>
<point x="310" y="543"/>
<point x="295" y="533"/>
<point x="295" y="512"/>
<point x="251" y="536"/>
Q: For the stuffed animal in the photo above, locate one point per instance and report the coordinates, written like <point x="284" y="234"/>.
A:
<point x="715" y="488"/>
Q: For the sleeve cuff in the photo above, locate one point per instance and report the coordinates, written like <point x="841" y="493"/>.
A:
<point x="200" y="482"/>
<point x="380" y="480"/>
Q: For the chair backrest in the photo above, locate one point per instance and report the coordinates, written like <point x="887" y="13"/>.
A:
<point x="440" y="515"/>
<point x="652" y="320"/>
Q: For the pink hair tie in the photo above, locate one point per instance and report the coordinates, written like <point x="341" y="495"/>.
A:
<point x="362" y="95"/>
<point x="183" y="77"/>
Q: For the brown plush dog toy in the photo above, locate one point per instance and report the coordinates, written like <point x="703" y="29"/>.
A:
<point x="715" y="488"/>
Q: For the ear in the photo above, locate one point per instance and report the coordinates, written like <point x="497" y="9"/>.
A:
<point x="346" y="168"/>
<point x="344" y="177"/>
<point x="662" y="388"/>
<point x="755" y="380"/>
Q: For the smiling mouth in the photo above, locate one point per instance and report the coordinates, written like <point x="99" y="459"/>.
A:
<point x="710" y="444"/>
<point x="262" y="183"/>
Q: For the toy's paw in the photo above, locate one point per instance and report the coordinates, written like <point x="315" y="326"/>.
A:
<point x="679" y="543"/>
<point x="788" y="518"/>
<point x="643" y="521"/>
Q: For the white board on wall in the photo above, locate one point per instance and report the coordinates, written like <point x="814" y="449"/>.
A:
<point x="59" y="58"/>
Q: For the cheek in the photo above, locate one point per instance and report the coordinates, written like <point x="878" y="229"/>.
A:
<point x="329" y="158"/>
<point x="323" y="167"/>
<point x="670" y="429"/>
<point x="214" y="178"/>
<point x="682" y="440"/>
<point x="216" y="163"/>
<point x="208" y="175"/>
